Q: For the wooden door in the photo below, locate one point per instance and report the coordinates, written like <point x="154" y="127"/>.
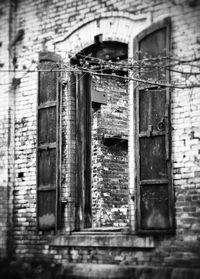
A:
<point x="153" y="160"/>
<point x="48" y="141"/>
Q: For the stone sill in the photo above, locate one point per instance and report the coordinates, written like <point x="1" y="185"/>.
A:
<point x="103" y="239"/>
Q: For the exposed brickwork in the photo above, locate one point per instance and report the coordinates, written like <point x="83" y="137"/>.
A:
<point x="110" y="158"/>
<point x="46" y="22"/>
<point x="3" y="218"/>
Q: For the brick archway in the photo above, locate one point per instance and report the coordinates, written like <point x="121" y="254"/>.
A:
<point x="114" y="26"/>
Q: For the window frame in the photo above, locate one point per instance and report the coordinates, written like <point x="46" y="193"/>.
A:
<point x="82" y="226"/>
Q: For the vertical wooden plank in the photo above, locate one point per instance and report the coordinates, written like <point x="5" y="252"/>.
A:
<point x="59" y="148"/>
<point x="72" y="194"/>
<point x="81" y="119"/>
<point x="137" y="159"/>
<point x="87" y="170"/>
<point x="78" y="194"/>
<point x="83" y="151"/>
<point x="58" y="170"/>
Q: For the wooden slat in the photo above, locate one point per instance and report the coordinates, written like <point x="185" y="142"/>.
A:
<point x="46" y="146"/>
<point x="87" y="171"/>
<point x="46" y="188"/>
<point x="154" y="181"/>
<point x="47" y="105"/>
<point x="153" y="133"/>
<point x="83" y="152"/>
<point x="58" y="153"/>
<point x="79" y="172"/>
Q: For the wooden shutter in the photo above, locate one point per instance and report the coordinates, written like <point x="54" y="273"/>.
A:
<point x="153" y="179"/>
<point x="83" y="151"/>
<point x="48" y="141"/>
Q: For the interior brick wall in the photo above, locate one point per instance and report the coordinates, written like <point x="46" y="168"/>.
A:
<point x="110" y="195"/>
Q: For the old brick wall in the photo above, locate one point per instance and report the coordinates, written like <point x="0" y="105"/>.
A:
<point x="6" y="127"/>
<point x="110" y="156"/>
<point x="45" y="22"/>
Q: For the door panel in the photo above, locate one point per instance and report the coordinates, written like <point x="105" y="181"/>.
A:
<point x="154" y="207"/>
<point x="47" y="206"/>
<point x="153" y="164"/>
<point x="152" y="137"/>
<point x="47" y="168"/>
<point x="47" y="120"/>
<point x="152" y="105"/>
<point x="153" y="46"/>
<point x="47" y="82"/>
<point x="48" y="139"/>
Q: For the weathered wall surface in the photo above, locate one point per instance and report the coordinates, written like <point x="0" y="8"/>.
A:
<point x="5" y="124"/>
<point x="110" y="156"/>
<point x="44" y="22"/>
